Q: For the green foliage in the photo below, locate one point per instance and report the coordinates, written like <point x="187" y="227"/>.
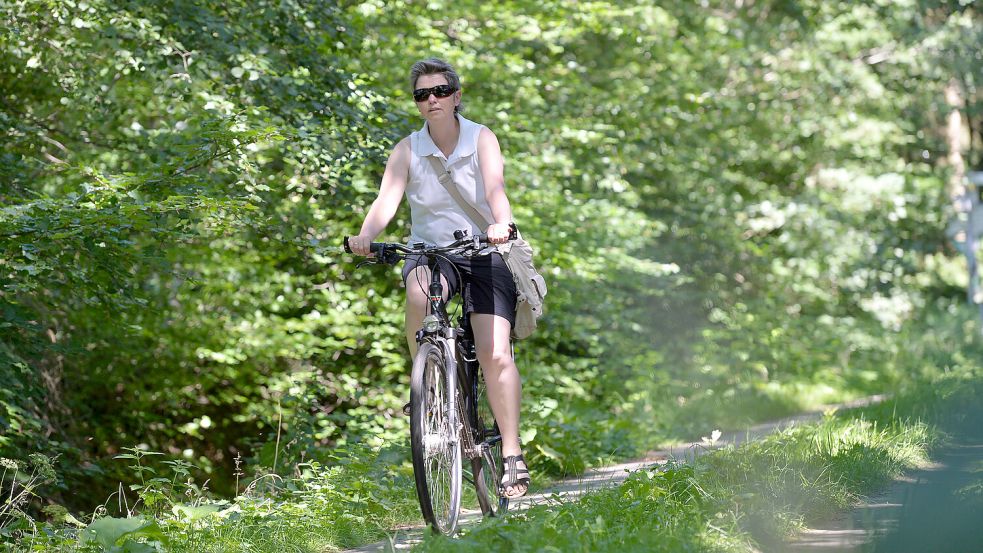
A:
<point x="949" y="401"/>
<point x="740" y="209"/>
<point x="155" y="491"/>
<point x="19" y="485"/>
<point x="118" y="535"/>
<point x="651" y="507"/>
<point x="808" y="472"/>
<point x="22" y="413"/>
<point x="319" y="507"/>
<point x="143" y="181"/>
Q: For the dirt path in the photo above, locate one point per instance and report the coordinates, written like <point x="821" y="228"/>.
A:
<point x="938" y="509"/>
<point x="571" y="489"/>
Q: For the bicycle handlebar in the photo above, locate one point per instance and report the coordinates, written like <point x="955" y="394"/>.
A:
<point x="374" y="247"/>
<point x="477" y="241"/>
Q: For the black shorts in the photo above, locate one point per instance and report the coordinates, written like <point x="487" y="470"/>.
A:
<point x="488" y="287"/>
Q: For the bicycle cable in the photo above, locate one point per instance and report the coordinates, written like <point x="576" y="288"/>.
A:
<point x="425" y="286"/>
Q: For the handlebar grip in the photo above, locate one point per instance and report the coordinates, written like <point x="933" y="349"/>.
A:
<point x="513" y="234"/>
<point x="374" y="247"/>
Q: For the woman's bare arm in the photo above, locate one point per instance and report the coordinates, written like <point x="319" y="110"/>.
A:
<point x="387" y="202"/>
<point x="493" y="174"/>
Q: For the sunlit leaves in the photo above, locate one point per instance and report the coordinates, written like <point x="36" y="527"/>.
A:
<point x="705" y="186"/>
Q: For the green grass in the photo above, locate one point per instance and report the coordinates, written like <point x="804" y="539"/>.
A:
<point x="726" y="500"/>
<point x="729" y="500"/>
<point x="319" y="508"/>
<point x="733" y="499"/>
<point x="752" y="497"/>
<point x="357" y="500"/>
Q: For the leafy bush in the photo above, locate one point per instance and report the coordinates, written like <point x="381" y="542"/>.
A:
<point x="740" y="209"/>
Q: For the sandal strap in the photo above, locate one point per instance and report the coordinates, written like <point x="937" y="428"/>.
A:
<point x="513" y="475"/>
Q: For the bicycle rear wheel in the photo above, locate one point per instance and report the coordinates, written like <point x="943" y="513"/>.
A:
<point x="487" y="468"/>
<point x="436" y="451"/>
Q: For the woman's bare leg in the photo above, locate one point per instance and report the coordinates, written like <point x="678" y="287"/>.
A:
<point x="417" y="290"/>
<point x="491" y="337"/>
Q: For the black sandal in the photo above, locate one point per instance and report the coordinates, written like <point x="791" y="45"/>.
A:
<point x="513" y="476"/>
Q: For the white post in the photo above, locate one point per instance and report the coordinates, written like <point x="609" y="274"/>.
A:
<point x="973" y="233"/>
<point x="971" y="242"/>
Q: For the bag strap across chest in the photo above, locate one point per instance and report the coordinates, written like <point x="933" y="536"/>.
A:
<point x="447" y="181"/>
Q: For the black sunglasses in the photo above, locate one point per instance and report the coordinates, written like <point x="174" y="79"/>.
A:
<point x="440" y="91"/>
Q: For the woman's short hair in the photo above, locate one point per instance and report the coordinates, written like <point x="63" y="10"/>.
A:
<point x="436" y="66"/>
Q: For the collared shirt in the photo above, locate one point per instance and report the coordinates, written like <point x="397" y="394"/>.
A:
<point x="434" y="213"/>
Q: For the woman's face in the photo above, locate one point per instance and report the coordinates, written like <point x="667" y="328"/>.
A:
<point x="433" y="108"/>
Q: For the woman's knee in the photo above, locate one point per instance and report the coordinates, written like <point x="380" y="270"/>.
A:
<point x="416" y="299"/>
<point x="496" y="358"/>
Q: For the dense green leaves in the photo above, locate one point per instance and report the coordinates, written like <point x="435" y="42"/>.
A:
<point x="117" y="534"/>
<point x="739" y="208"/>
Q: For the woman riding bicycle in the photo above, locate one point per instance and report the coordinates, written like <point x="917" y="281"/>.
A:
<point x="471" y="154"/>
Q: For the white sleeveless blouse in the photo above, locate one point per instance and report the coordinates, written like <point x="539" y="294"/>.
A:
<point x="434" y="213"/>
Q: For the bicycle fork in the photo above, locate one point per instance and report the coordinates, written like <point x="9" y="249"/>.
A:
<point x="450" y="404"/>
<point x="453" y="429"/>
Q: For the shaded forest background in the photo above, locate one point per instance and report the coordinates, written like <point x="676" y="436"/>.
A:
<point x="741" y="208"/>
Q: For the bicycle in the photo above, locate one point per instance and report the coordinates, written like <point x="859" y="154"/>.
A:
<point x="444" y="427"/>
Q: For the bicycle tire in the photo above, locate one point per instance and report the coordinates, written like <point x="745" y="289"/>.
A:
<point x="487" y="468"/>
<point x="435" y="449"/>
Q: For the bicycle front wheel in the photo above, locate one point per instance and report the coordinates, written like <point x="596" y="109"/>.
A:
<point x="433" y="439"/>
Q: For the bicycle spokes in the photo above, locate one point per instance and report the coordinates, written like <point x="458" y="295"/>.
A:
<point x="436" y="457"/>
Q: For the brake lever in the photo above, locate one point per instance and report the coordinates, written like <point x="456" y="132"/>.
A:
<point x="388" y="256"/>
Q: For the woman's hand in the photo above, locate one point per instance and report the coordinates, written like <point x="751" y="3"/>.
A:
<point x="498" y="233"/>
<point x="359" y="244"/>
